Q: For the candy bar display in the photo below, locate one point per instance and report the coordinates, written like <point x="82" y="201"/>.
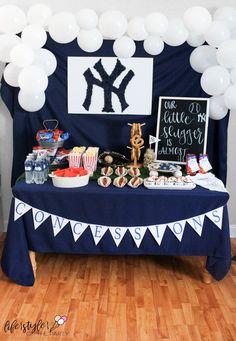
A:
<point x="51" y="137"/>
<point x="163" y="182"/>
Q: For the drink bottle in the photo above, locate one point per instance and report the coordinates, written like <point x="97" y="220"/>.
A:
<point x="29" y="170"/>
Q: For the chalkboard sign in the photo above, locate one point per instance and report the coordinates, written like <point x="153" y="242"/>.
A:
<point x="182" y="124"/>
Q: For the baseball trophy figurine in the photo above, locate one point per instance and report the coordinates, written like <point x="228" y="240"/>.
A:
<point x="137" y="142"/>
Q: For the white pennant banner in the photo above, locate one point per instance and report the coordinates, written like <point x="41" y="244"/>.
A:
<point x="216" y="216"/>
<point x="137" y="233"/>
<point x="98" y="232"/>
<point x="58" y="223"/>
<point x="178" y="228"/>
<point x="157" y="232"/>
<point x="197" y="223"/>
<point x="20" y="209"/>
<point x="77" y="228"/>
<point x="118" y="232"/>
<point x="39" y="217"/>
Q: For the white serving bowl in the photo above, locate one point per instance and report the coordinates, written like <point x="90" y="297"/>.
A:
<point x="69" y="182"/>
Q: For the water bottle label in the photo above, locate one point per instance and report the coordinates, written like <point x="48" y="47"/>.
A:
<point x="38" y="168"/>
<point x="28" y="169"/>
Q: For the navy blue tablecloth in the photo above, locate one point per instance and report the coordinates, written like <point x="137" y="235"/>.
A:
<point x="114" y="207"/>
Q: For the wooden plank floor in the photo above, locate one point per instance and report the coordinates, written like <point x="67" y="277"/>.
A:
<point x="109" y="298"/>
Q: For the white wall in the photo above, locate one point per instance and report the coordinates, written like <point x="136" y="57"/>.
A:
<point x="172" y="8"/>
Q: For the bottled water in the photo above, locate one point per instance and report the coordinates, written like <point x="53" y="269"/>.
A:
<point x="45" y="168"/>
<point x="38" y="171"/>
<point x="29" y="170"/>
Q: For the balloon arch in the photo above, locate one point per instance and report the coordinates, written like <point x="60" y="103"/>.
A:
<point x="29" y="64"/>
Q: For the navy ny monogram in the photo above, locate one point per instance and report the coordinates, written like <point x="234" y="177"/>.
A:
<point x="107" y="84"/>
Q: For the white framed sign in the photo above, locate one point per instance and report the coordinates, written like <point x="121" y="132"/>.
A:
<point x="182" y="126"/>
<point x="109" y="85"/>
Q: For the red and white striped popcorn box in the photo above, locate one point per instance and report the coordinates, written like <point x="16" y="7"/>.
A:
<point x="74" y="160"/>
<point x="90" y="163"/>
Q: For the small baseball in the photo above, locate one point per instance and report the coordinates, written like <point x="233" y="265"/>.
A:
<point x="153" y="173"/>
<point x="108" y="159"/>
<point x="178" y="173"/>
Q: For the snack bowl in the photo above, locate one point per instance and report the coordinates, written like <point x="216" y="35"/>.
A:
<point x="69" y="182"/>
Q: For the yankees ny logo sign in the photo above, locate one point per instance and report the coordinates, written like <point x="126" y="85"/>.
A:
<point x="107" y="84"/>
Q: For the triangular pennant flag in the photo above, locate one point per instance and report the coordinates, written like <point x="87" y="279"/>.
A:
<point x="178" y="228"/>
<point x="117" y="233"/>
<point x="197" y="223"/>
<point x="152" y="139"/>
<point x="77" y="228"/>
<point x="98" y="232"/>
<point x="216" y="216"/>
<point x="39" y="217"/>
<point x="20" y="209"/>
<point x="58" y="223"/>
<point x="137" y="233"/>
<point x="157" y="232"/>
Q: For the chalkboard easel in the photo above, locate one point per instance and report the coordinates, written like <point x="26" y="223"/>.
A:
<point x="182" y="124"/>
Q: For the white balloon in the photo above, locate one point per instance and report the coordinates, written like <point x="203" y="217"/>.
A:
<point x="12" y="19"/>
<point x="31" y="102"/>
<point x="226" y="53"/>
<point x="218" y="109"/>
<point x="33" y="80"/>
<point x="39" y="14"/>
<point x="124" y="47"/>
<point x="195" y="40"/>
<point x="22" y="55"/>
<point x="136" y="29"/>
<point x="176" y="33"/>
<point x="233" y="33"/>
<point x="230" y="97"/>
<point x="63" y="27"/>
<point x="34" y="35"/>
<point x="226" y="14"/>
<point x="46" y="60"/>
<point x="112" y="24"/>
<point x="233" y="75"/>
<point x="7" y="42"/>
<point x="87" y="18"/>
<point x="202" y="58"/>
<point x="90" y="40"/>
<point x="197" y="19"/>
<point x="215" y="80"/>
<point x="11" y="74"/>
<point x="153" y="45"/>
<point x="156" y="24"/>
<point x="217" y="33"/>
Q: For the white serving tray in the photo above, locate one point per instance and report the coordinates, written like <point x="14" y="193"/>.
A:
<point x="184" y="186"/>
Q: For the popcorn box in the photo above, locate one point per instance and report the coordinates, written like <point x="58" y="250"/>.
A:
<point x="74" y="160"/>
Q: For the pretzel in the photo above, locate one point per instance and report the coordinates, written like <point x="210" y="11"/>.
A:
<point x="136" y="141"/>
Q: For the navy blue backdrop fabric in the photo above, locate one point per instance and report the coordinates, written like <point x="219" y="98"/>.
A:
<point x="172" y="76"/>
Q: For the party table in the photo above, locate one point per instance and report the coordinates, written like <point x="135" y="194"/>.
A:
<point x="114" y="221"/>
